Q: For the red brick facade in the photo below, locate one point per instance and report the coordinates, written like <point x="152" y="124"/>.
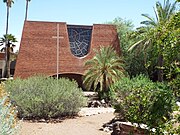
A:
<point x="2" y="56"/>
<point x="37" y="54"/>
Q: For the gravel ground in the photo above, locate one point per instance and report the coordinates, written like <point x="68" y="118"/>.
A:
<point x="87" y="125"/>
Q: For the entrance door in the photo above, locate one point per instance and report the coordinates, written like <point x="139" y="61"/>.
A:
<point x="0" y="73"/>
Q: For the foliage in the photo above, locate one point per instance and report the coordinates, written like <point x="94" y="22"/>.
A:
<point x="154" y="39"/>
<point x="8" y="42"/>
<point x="171" y="46"/>
<point x="142" y="101"/>
<point x="41" y="97"/>
<point x="2" y="91"/>
<point x="168" y="46"/>
<point x="105" y="68"/>
<point x="162" y="13"/>
<point x="171" y="127"/>
<point x="134" y="64"/>
<point x="8" y="2"/>
<point x="10" y="39"/>
<point x="8" y="121"/>
<point x="124" y="28"/>
<point x="175" y="85"/>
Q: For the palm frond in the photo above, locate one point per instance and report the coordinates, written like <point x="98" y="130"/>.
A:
<point x="3" y="49"/>
<point x="147" y="44"/>
<point x="172" y="9"/>
<point x="150" y="19"/>
<point x="134" y="46"/>
<point x="100" y="68"/>
<point x="156" y="15"/>
<point x="159" y="10"/>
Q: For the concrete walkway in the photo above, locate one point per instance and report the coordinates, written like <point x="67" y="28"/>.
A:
<point x="93" y="111"/>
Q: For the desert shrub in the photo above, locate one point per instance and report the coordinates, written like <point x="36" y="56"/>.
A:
<point x="8" y="121"/>
<point x="43" y="97"/>
<point x="143" y="101"/>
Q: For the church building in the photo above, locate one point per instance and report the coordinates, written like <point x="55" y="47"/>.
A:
<point x="56" y="48"/>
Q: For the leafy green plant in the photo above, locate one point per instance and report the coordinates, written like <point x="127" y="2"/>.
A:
<point x="41" y="97"/>
<point x="9" y="124"/>
<point x="175" y="85"/>
<point x="158" y="39"/>
<point x="143" y="101"/>
<point x="105" y="68"/>
<point x="172" y="127"/>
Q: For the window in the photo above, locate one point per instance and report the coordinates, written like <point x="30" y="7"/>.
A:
<point x="80" y="39"/>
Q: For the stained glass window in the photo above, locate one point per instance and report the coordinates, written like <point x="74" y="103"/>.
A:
<point x="79" y="39"/>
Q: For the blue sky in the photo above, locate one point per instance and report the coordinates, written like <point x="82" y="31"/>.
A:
<point x="85" y="12"/>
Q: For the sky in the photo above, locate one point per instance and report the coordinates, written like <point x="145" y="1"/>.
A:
<point x="79" y="12"/>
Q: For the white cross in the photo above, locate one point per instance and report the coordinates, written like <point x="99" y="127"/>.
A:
<point x="58" y="38"/>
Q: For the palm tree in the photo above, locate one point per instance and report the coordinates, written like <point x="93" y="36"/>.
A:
<point x="8" y="42"/>
<point x="8" y="5"/>
<point x="162" y="13"/>
<point x="104" y="69"/>
<point x="148" y="33"/>
<point x="27" y="3"/>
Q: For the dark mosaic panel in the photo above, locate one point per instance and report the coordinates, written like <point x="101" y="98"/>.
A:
<point x="79" y="39"/>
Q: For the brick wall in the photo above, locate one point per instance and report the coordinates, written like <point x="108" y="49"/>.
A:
<point x="2" y="63"/>
<point x="37" y="54"/>
<point x="2" y="56"/>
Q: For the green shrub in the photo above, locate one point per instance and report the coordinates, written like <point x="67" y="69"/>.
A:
<point x="172" y="127"/>
<point x="8" y="120"/>
<point x="175" y="85"/>
<point x="125" y="86"/>
<point x="144" y="102"/>
<point x="41" y="97"/>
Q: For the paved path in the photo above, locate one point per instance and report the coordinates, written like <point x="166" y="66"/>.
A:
<point x="86" y="111"/>
<point x="87" y="125"/>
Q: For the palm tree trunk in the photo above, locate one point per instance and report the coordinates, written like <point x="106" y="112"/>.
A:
<point x="104" y="83"/>
<point x="6" y="73"/>
<point x="160" y="70"/>
<point x="8" y="62"/>
<point x="7" y="20"/>
<point x="27" y="2"/>
<point x="105" y="90"/>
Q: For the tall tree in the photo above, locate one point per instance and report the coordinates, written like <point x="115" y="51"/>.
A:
<point x="134" y="64"/>
<point x="105" y="68"/>
<point x="124" y="28"/>
<point x="171" y="46"/>
<point x="148" y="34"/>
<point x="26" y="13"/>
<point x="8" y="5"/>
<point x="8" y="42"/>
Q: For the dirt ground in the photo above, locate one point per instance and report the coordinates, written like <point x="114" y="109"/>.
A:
<point x="87" y="125"/>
